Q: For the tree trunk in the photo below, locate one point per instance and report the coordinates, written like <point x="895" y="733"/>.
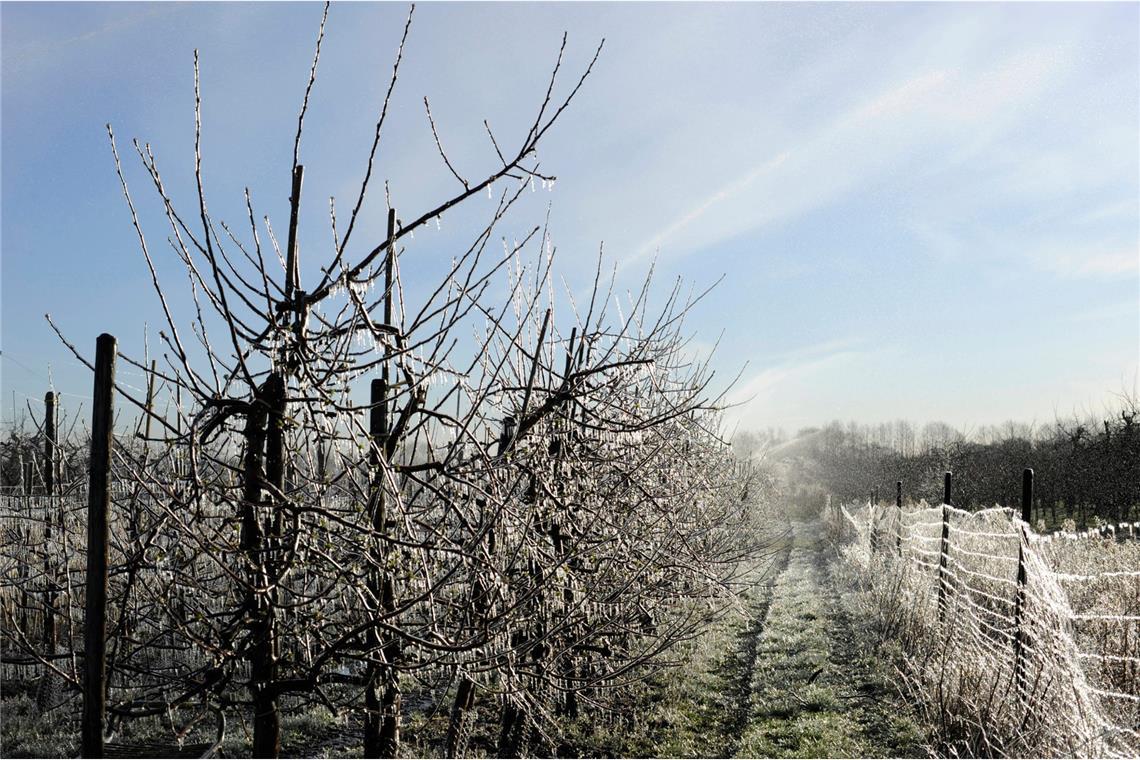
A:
<point x="464" y="701"/>
<point x="382" y="690"/>
<point x="262" y="663"/>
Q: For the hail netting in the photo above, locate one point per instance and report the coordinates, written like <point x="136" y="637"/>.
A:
<point x="1056" y="673"/>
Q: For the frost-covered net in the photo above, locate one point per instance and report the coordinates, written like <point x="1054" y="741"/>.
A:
<point x="1017" y="643"/>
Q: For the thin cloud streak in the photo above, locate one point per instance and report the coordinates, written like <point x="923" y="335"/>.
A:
<point x="882" y="135"/>
<point x="751" y="402"/>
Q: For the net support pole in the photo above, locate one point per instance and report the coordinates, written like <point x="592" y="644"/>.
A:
<point x="1027" y="496"/>
<point x="876" y="518"/>
<point x="50" y="632"/>
<point x="898" y="507"/>
<point x="98" y="503"/>
<point x="1019" y="638"/>
<point x="944" y="553"/>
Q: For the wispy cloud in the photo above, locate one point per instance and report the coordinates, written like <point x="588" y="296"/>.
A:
<point x="939" y="111"/>
<point x="754" y="401"/>
<point x="1092" y="262"/>
<point x="1126" y="209"/>
<point x="28" y="52"/>
<point x="725" y="193"/>
<point x="1110" y="312"/>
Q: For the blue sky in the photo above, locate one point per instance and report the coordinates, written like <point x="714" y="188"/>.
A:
<point x="923" y="211"/>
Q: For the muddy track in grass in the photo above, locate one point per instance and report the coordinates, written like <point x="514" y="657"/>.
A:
<point x="739" y="665"/>
<point x="815" y="690"/>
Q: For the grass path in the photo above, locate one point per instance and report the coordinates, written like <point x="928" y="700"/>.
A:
<point x="793" y="677"/>
<point x="815" y="692"/>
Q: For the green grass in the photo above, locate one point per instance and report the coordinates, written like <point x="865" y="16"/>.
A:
<point x="27" y="733"/>
<point x="795" y="676"/>
<point x="818" y="690"/>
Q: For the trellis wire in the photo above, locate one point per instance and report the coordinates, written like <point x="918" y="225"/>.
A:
<point x="1073" y="687"/>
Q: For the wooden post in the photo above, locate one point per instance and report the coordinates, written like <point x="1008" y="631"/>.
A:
<point x="98" y="501"/>
<point x="389" y="262"/>
<point x="1027" y="496"/>
<point x="378" y="421"/>
<point x="49" y="443"/>
<point x="872" y="533"/>
<point x="944" y="554"/>
<point x="275" y="432"/>
<point x="149" y="401"/>
<point x="382" y="690"/>
<point x="50" y="628"/>
<point x="1019" y="639"/>
<point x="322" y="464"/>
<point x="507" y="433"/>
<point x="898" y="505"/>
<point x="873" y="523"/>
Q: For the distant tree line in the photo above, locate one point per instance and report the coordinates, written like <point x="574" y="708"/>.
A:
<point x="1086" y="469"/>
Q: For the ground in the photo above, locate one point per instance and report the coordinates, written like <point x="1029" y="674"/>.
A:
<point x="816" y="689"/>
<point x="795" y="675"/>
<point x="796" y="678"/>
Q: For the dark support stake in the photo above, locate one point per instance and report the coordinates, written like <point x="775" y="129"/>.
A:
<point x="382" y="690"/>
<point x="874" y="525"/>
<point x="49" y="443"/>
<point x="50" y="630"/>
<point x="1019" y="640"/>
<point x="389" y="261"/>
<point x="98" y="501"/>
<point x="275" y="432"/>
<point x="898" y="505"/>
<point x="1027" y="496"/>
<point x="149" y="401"/>
<point x="873" y="530"/>
<point x="378" y="421"/>
<point x="944" y="554"/>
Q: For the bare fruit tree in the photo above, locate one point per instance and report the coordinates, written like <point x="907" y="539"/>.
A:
<point x="525" y="507"/>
